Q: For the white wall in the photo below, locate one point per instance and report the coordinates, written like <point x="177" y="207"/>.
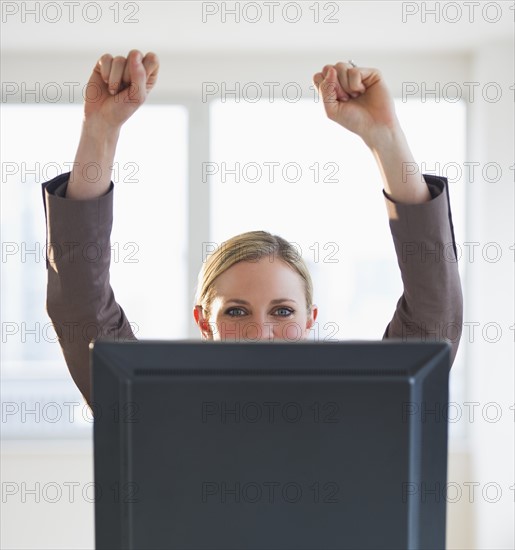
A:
<point x="489" y="298"/>
<point x="46" y="495"/>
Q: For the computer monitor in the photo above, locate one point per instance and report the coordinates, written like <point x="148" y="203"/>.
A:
<point x="270" y="445"/>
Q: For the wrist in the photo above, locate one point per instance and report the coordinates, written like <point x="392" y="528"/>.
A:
<point x="97" y="143"/>
<point x="99" y="131"/>
<point x="385" y="139"/>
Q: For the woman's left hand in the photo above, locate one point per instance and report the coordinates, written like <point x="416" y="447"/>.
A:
<point x="358" y="99"/>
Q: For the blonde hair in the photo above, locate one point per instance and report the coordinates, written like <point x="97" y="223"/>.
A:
<point x="248" y="247"/>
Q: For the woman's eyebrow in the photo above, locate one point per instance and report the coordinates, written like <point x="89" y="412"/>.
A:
<point x="276" y="301"/>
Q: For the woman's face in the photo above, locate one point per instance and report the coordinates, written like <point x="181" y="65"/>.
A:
<point x="258" y="300"/>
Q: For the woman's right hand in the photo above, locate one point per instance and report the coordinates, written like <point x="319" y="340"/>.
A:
<point x="117" y="87"/>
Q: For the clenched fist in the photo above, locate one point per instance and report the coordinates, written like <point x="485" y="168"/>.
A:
<point x="358" y="99"/>
<point x="118" y="86"/>
<point x="115" y="90"/>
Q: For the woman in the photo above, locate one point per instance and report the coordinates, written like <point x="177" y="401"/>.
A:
<point x="254" y="286"/>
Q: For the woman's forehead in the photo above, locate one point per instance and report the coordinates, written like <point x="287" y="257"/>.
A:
<point x="261" y="276"/>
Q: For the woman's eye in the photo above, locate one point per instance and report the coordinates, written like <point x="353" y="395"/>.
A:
<point x="285" y="309"/>
<point x="232" y="310"/>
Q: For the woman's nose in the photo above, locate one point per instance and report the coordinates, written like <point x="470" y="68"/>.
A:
<point x="270" y="331"/>
<point x="262" y="330"/>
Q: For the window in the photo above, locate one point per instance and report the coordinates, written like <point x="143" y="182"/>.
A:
<point x="278" y="166"/>
<point x="285" y="168"/>
<point x="148" y="269"/>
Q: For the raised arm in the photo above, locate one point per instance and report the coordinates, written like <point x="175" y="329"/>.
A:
<point x="115" y="90"/>
<point x="79" y="215"/>
<point x="431" y="306"/>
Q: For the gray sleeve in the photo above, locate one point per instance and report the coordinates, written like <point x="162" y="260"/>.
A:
<point x="431" y="306"/>
<point x="80" y="300"/>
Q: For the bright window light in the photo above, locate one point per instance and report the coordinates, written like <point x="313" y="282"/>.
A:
<point x="149" y="247"/>
<point x="285" y="168"/>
